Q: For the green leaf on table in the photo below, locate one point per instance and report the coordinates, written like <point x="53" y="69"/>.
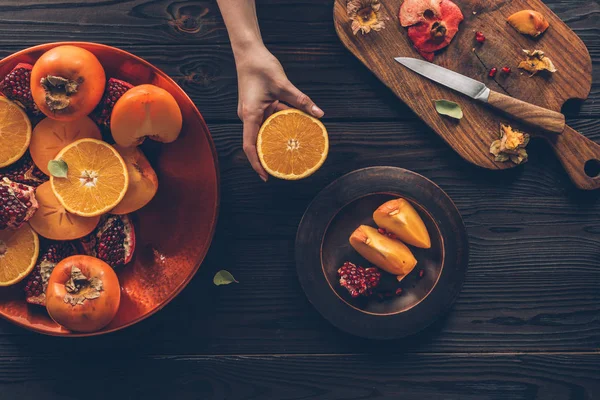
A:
<point x="58" y="168"/>
<point x="448" y="108"/>
<point x="223" y="278"/>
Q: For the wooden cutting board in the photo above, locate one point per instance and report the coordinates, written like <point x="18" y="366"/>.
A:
<point x="471" y="137"/>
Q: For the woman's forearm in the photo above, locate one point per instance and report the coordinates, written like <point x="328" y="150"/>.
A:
<point x="242" y="24"/>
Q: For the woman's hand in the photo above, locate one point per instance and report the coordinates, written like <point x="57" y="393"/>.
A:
<point x="263" y="87"/>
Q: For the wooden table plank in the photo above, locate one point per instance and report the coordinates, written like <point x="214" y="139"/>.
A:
<point x="465" y="377"/>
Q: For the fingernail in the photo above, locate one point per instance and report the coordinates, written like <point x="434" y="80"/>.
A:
<point x="316" y="111"/>
<point x="264" y="178"/>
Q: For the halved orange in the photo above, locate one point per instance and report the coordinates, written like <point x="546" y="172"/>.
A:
<point x="292" y="145"/>
<point x="15" y="132"/>
<point x="52" y="221"/>
<point x="51" y="136"/>
<point x="96" y="181"/>
<point x="19" y="251"/>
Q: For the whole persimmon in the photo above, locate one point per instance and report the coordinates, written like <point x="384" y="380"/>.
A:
<point x="83" y="294"/>
<point x="67" y="82"/>
<point x="145" y="111"/>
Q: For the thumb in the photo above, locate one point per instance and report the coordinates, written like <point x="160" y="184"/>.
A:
<point x="299" y="100"/>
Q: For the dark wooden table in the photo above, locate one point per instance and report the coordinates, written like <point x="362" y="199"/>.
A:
<point x="526" y="326"/>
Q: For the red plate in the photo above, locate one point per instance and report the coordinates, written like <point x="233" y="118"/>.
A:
<point x="173" y="232"/>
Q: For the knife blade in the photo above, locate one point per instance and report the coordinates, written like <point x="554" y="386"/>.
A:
<point x="528" y="113"/>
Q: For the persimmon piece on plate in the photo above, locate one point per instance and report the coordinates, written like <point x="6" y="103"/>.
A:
<point x="388" y="254"/>
<point x="83" y="293"/>
<point x="96" y="179"/>
<point x="400" y="218"/>
<point x="145" y="111"/>
<point x="19" y="250"/>
<point x="292" y="145"/>
<point x="67" y="82"/>
<point x="143" y="182"/>
<point x="15" y="132"/>
<point x="52" y="221"/>
<point x="51" y="136"/>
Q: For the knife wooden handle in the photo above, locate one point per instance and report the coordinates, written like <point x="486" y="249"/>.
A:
<point x="542" y="118"/>
<point x="579" y="156"/>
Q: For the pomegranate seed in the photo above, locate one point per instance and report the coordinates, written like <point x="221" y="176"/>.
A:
<point x="381" y="230"/>
<point x="493" y="72"/>
<point x="391" y="236"/>
<point x="421" y="273"/>
<point x="506" y="70"/>
<point x="479" y="37"/>
<point x="398" y="291"/>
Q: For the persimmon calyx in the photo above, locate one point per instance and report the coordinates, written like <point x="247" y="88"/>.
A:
<point x="58" y="90"/>
<point x="80" y="288"/>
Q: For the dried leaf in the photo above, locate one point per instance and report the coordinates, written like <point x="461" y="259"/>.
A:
<point x="510" y="146"/>
<point x="448" y="108"/>
<point x="79" y="288"/>
<point x="58" y="168"/>
<point x="365" y="15"/>
<point x="537" y="61"/>
<point x="223" y="278"/>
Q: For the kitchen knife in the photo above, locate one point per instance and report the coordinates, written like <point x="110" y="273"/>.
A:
<point x="530" y="114"/>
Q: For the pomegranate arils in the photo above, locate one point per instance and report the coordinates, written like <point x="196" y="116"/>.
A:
<point x="37" y="282"/>
<point x="113" y="241"/>
<point x="17" y="204"/>
<point x="115" y="88"/>
<point x="479" y="37"/>
<point x="493" y="72"/>
<point x="16" y="87"/>
<point x="398" y="291"/>
<point x="24" y="171"/>
<point x="506" y="70"/>
<point x="358" y="280"/>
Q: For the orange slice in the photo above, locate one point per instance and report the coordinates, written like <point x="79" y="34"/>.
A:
<point x="96" y="181"/>
<point x="52" y="221"/>
<point x="15" y="132"/>
<point x="292" y="145"/>
<point x="51" y="136"/>
<point x="19" y="251"/>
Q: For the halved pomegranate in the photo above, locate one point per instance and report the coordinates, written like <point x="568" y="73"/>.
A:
<point x="113" y="241"/>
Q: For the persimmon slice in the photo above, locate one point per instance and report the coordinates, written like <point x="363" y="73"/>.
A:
<point x="19" y="251"/>
<point x="96" y="180"/>
<point x="52" y="221"/>
<point x="15" y="132"/>
<point x="292" y="145"/>
<point x="51" y="136"/>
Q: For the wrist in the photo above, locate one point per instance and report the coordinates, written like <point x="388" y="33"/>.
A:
<point x="247" y="47"/>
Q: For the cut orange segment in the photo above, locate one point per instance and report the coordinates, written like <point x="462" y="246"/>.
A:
<point x="96" y="181"/>
<point x="52" y="221"/>
<point x="292" y="145"/>
<point x="51" y="136"/>
<point x="19" y="251"/>
<point x="15" y="132"/>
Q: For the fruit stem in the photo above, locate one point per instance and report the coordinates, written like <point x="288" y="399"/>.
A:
<point x="58" y="90"/>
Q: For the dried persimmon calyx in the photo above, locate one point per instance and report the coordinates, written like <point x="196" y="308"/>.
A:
<point x="537" y="61"/>
<point x="365" y="16"/>
<point x="510" y="146"/>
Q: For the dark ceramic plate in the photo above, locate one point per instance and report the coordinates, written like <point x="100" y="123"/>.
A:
<point x="322" y="247"/>
<point x="173" y="232"/>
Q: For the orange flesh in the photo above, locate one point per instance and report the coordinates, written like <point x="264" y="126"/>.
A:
<point x="292" y="145"/>
<point x="97" y="178"/>
<point x="18" y="254"/>
<point x="15" y="132"/>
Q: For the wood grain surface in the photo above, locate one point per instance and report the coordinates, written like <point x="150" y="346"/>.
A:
<point x="526" y="325"/>
<point x="472" y="136"/>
